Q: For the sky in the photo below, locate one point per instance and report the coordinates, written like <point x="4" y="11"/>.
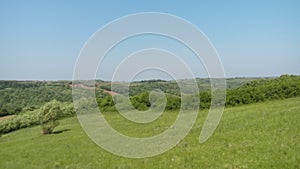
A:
<point x="41" y="40"/>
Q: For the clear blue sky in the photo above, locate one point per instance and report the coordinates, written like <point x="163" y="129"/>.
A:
<point x="40" y="40"/>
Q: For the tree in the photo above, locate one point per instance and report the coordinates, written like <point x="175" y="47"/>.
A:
<point x="49" y="115"/>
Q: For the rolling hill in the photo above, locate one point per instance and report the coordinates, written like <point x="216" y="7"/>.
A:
<point x="260" y="135"/>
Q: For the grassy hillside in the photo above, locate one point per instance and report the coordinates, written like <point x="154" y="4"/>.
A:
<point x="262" y="135"/>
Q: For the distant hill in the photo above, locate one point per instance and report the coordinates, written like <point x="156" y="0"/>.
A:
<point x="18" y="96"/>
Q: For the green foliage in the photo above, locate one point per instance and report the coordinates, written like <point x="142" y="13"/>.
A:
<point x="205" y="99"/>
<point x="285" y="86"/>
<point x="141" y="101"/>
<point x="67" y="110"/>
<point x="20" y="121"/>
<point x="48" y="116"/>
<point x="137" y="88"/>
<point x="170" y="87"/>
<point x="254" y="91"/>
<point x="24" y="98"/>
<point x="173" y="102"/>
<point x="106" y="104"/>
<point x="31" y="118"/>
<point x="18" y="96"/>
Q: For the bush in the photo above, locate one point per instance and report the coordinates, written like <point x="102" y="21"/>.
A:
<point x="30" y="118"/>
<point x="67" y="110"/>
<point x="48" y="116"/>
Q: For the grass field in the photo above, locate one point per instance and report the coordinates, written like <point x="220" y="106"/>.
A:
<point x="264" y="135"/>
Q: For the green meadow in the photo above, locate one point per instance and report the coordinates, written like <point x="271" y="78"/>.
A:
<point x="258" y="135"/>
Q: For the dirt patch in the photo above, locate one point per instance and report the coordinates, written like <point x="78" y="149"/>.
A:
<point x="110" y="92"/>
<point x="7" y="117"/>
<point x="82" y="86"/>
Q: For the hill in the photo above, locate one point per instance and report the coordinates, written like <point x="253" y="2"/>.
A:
<point x="260" y="135"/>
<point x="21" y="96"/>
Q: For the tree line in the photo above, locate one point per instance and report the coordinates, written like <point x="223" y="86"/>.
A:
<point x="44" y="105"/>
<point x="255" y="91"/>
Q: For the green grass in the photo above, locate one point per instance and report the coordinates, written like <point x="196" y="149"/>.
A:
<point x="264" y="135"/>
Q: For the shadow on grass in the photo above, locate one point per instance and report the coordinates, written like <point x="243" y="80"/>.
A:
<point x="60" y="131"/>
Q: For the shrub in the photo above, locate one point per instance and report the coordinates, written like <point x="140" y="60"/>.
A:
<point x="30" y="118"/>
<point x="49" y="115"/>
<point x="67" y="110"/>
